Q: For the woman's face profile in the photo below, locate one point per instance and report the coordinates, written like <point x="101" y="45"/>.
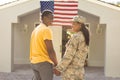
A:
<point x="76" y="26"/>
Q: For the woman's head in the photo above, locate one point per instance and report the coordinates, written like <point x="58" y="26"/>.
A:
<point x="47" y="17"/>
<point x="78" y="24"/>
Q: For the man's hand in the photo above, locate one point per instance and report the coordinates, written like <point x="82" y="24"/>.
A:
<point x="56" y="72"/>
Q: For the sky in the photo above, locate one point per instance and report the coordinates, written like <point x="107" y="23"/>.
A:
<point x="6" y="1"/>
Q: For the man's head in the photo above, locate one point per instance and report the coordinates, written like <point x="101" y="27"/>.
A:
<point x="47" y="17"/>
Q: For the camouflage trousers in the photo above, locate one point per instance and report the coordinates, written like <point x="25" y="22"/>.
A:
<point x="73" y="75"/>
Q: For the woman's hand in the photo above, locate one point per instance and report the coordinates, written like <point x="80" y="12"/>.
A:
<point x="56" y="72"/>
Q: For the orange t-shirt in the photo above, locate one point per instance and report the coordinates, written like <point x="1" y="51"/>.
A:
<point x="38" y="49"/>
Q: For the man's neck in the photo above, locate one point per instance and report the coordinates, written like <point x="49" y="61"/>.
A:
<point x="45" y="24"/>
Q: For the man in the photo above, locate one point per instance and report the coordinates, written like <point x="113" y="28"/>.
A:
<point x="42" y="54"/>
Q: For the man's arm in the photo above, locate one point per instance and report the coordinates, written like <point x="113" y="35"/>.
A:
<point x="51" y="51"/>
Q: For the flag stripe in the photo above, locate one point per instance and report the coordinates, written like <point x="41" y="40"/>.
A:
<point x="67" y="8"/>
<point x="65" y="21"/>
<point x="64" y="5"/>
<point x="66" y="0"/>
<point x="60" y="19"/>
<point x="64" y="9"/>
<point x="60" y="24"/>
<point x="63" y="16"/>
<point x="64" y="12"/>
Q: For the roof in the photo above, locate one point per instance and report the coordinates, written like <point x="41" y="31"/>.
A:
<point x="12" y="3"/>
<point x="8" y="2"/>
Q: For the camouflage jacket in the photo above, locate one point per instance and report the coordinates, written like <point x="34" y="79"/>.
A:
<point x="72" y="64"/>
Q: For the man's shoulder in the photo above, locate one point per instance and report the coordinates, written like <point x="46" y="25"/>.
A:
<point x="43" y="26"/>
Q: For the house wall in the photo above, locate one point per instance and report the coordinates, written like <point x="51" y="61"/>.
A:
<point x="9" y="15"/>
<point x="22" y="33"/>
<point x="5" y="44"/>
<point x="97" y="41"/>
<point x="111" y="16"/>
<point x="22" y="37"/>
<point x="107" y="14"/>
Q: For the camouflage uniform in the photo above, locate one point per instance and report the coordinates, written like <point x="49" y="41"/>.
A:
<point x="72" y="64"/>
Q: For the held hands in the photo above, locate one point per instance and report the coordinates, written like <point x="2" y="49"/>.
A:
<point x="56" y="72"/>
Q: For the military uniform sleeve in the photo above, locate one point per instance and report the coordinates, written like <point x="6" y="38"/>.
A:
<point x="69" y="54"/>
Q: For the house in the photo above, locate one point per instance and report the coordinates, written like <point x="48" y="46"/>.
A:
<point x="19" y="18"/>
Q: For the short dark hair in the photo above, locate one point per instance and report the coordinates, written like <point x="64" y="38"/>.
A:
<point x="46" y="13"/>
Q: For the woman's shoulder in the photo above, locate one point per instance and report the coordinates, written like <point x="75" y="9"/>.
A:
<point x="78" y="37"/>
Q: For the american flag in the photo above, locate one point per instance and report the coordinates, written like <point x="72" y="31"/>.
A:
<point x="63" y="11"/>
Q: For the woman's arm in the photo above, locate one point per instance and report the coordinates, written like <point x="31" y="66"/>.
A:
<point x="69" y="54"/>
